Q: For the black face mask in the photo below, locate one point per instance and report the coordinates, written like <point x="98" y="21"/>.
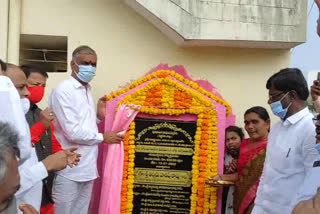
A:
<point x="233" y="152"/>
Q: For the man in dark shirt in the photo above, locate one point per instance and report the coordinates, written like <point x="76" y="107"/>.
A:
<point x="41" y="128"/>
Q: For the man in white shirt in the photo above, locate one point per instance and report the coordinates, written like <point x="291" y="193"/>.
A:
<point x="11" y="111"/>
<point x="31" y="170"/>
<point x="291" y="149"/>
<point x="76" y="124"/>
<point x="309" y="192"/>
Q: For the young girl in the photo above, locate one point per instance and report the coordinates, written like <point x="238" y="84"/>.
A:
<point x="233" y="139"/>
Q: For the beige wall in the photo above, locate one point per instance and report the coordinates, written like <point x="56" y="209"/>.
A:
<point x="128" y="46"/>
<point x="232" y="23"/>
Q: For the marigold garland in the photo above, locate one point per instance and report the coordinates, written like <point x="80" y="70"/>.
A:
<point x="181" y="99"/>
<point x="124" y="188"/>
<point x="165" y="74"/>
<point x="130" y="171"/>
<point x="164" y="96"/>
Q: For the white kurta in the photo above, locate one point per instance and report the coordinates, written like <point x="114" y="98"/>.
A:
<point x="76" y="124"/>
<point x="31" y="171"/>
<point x="290" y="155"/>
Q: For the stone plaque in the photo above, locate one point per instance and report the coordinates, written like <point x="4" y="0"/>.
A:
<point x="163" y="164"/>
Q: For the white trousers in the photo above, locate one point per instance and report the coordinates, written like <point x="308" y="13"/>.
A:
<point x="71" y="197"/>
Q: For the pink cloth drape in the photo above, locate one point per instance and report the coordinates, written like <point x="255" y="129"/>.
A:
<point x="111" y="179"/>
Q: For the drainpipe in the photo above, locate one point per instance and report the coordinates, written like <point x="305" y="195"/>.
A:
<point x="4" y="22"/>
<point x="14" y="31"/>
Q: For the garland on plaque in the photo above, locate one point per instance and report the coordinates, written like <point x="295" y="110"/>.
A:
<point x="165" y="97"/>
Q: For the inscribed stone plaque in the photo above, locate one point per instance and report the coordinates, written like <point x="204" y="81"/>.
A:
<point x="163" y="164"/>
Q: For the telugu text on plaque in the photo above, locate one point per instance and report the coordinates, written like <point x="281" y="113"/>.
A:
<point x="163" y="163"/>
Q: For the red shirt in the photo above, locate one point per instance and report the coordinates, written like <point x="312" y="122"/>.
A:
<point x="38" y="129"/>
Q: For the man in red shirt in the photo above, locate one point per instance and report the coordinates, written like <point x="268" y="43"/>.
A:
<point x="41" y="128"/>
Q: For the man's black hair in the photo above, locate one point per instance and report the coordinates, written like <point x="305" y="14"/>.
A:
<point x="28" y="69"/>
<point x="289" y="79"/>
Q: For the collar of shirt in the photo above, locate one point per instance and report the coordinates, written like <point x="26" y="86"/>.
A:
<point x="296" y="117"/>
<point x="77" y="84"/>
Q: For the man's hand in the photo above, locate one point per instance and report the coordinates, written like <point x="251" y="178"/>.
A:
<point x="27" y="209"/>
<point x="315" y="89"/>
<point x="101" y="108"/>
<point x="316" y="201"/>
<point x="46" y="117"/>
<point x="112" y="137"/>
<point x="73" y="158"/>
<point x="311" y="206"/>
<point x="61" y="160"/>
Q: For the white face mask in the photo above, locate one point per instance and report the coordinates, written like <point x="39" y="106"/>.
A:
<point x="25" y="104"/>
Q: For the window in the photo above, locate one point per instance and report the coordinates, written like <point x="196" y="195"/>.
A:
<point x="47" y="52"/>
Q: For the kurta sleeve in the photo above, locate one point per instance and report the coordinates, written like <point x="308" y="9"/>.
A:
<point x="29" y="176"/>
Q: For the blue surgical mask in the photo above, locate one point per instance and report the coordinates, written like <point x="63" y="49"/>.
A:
<point x="86" y="72"/>
<point x="277" y="108"/>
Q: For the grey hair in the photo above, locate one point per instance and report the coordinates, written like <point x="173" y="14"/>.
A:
<point x="83" y="49"/>
<point x="8" y="144"/>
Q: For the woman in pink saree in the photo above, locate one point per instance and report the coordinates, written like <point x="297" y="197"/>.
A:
<point x="251" y="160"/>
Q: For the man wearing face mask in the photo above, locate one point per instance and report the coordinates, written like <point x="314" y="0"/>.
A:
<point x="32" y="172"/>
<point x="309" y="192"/>
<point x="11" y="110"/>
<point x="291" y="149"/>
<point x="41" y="128"/>
<point x="76" y="124"/>
<point x="16" y="107"/>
